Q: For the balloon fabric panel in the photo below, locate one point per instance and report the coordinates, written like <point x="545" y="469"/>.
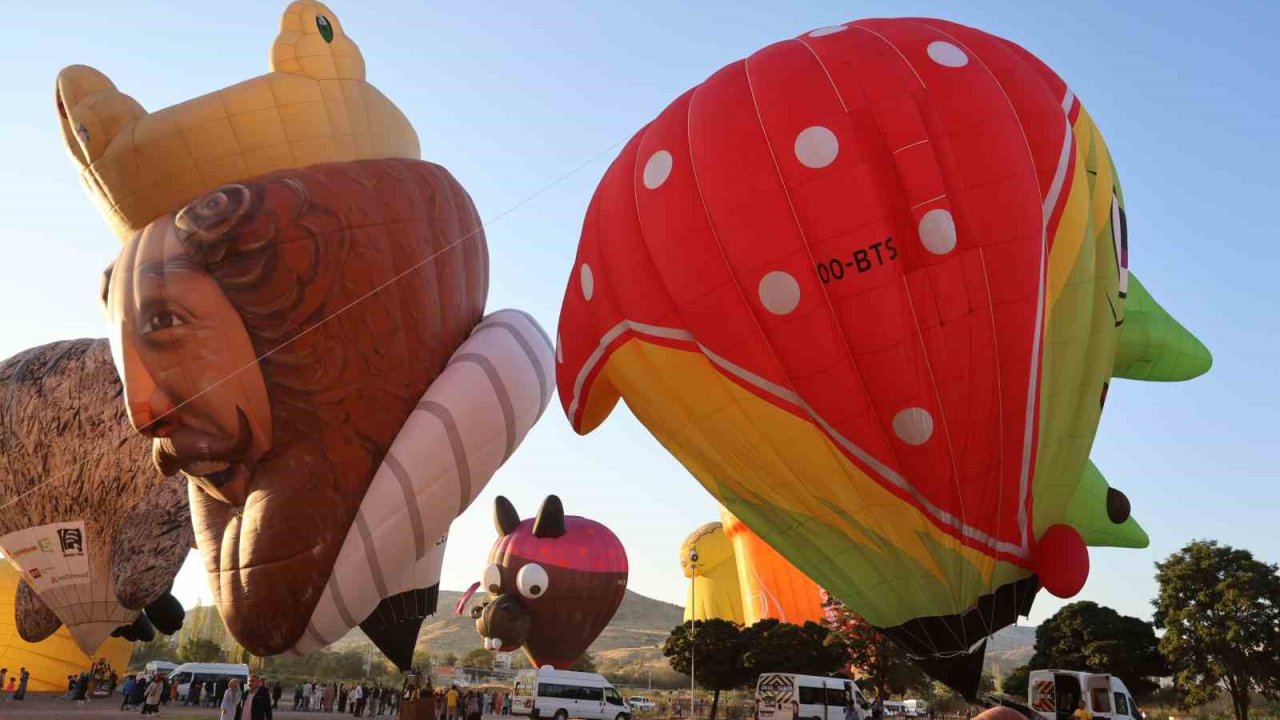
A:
<point x="899" y="247"/>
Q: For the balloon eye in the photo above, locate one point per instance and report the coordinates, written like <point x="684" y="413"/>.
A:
<point x="493" y="579"/>
<point x="326" y="29"/>
<point x="532" y="581"/>
<point x="693" y="556"/>
<point x="1120" y="236"/>
<point x="1117" y="506"/>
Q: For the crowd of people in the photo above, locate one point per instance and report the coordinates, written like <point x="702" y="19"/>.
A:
<point x="360" y="699"/>
<point x="16" y="689"/>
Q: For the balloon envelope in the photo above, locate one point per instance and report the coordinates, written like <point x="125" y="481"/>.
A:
<point x="867" y="285"/>
<point x="51" y="660"/>
<point x="95" y="530"/>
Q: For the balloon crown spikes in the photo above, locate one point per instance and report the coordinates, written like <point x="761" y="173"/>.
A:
<point x="314" y="106"/>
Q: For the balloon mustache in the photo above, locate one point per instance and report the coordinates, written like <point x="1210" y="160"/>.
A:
<point x="187" y="445"/>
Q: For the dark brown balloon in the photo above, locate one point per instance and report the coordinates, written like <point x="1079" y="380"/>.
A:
<point x="68" y="455"/>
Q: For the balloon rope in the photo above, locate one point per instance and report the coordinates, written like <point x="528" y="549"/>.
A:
<point x="343" y="309"/>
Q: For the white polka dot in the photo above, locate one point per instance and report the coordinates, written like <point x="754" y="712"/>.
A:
<point x="559" y="349"/>
<point x="816" y="147"/>
<point x="779" y="292"/>
<point x="947" y="55"/>
<point x="913" y="426"/>
<point x="938" y="231"/>
<point x="588" y="281"/>
<point x="830" y="30"/>
<point x="657" y="169"/>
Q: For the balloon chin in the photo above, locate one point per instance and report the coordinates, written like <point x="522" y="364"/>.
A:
<point x="1062" y="561"/>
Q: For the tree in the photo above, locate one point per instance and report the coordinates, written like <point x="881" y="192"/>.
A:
<point x="710" y="650"/>
<point x="585" y="663"/>
<point x="1220" y="610"/>
<point x="478" y="658"/>
<point x="1088" y="636"/>
<point x="1016" y="681"/>
<point x="449" y="660"/>
<point x="884" y="664"/>
<point x="197" y="649"/>
<point x="774" y="646"/>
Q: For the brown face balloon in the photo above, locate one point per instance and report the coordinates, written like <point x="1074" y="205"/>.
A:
<point x="554" y="583"/>
<point x="273" y="336"/>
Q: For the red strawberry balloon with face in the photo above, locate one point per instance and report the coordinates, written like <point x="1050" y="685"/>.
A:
<point x="554" y="583"/>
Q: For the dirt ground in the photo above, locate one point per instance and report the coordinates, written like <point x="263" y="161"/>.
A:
<point x="43" y="706"/>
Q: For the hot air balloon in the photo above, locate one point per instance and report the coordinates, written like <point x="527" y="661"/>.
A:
<point x="771" y="586"/>
<point x="96" y="535"/>
<point x="707" y="559"/>
<point x="55" y="657"/>
<point x="870" y="286"/>
<point x="554" y="583"/>
<point x="298" y="316"/>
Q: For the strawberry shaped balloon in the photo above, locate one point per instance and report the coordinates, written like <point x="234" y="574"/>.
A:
<point x="870" y="285"/>
<point x="554" y="582"/>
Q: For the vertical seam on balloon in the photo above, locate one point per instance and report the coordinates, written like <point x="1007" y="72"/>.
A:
<point x="888" y="441"/>
<point x="1023" y="480"/>
<point x="401" y="475"/>
<point x="501" y="393"/>
<point x="459" y="450"/>
<point x="746" y="302"/>
<point x="544" y="395"/>
<point x="370" y="554"/>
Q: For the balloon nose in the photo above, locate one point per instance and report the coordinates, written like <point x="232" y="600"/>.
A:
<point x="150" y="407"/>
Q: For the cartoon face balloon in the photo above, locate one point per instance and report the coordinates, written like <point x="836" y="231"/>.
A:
<point x="292" y="285"/>
<point x="868" y="285"/>
<point x="95" y="534"/>
<point x="554" y="582"/>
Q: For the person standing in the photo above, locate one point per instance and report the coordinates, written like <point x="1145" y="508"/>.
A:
<point x="342" y="697"/>
<point x="151" y="701"/>
<point x="275" y="695"/>
<point x="357" y="700"/>
<point x="126" y="691"/>
<point x="231" y="701"/>
<point x="1081" y="712"/>
<point x="23" y="676"/>
<point x="451" y="703"/>
<point x="256" y="703"/>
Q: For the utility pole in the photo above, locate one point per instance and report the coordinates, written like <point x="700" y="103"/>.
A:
<point x="693" y="629"/>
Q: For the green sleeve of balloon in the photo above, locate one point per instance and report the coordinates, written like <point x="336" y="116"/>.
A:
<point x="1153" y="345"/>
<point x="1088" y="513"/>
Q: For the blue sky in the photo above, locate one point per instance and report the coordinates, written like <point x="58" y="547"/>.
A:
<point x="512" y="96"/>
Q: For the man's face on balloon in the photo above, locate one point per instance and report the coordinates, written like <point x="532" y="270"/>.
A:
<point x="191" y="376"/>
<point x="272" y="344"/>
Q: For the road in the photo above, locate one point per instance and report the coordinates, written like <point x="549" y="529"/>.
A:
<point x="53" y="707"/>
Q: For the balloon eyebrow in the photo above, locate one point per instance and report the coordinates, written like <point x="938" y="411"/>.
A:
<point x="159" y="268"/>
<point x="106" y="282"/>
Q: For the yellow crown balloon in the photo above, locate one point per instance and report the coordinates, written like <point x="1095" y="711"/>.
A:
<point x="314" y="106"/>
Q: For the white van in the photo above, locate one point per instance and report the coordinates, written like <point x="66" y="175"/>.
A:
<point x="788" y="696"/>
<point x="894" y="708"/>
<point x="1054" y="695"/>
<point x="158" y="666"/>
<point x="915" y="708"/>
<point x="185" y="673"/>
<point x="564" y="694"/>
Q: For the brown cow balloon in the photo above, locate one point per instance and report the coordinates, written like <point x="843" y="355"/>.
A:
<point x="554" y="583"/>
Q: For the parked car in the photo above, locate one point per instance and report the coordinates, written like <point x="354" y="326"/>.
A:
<point x="640" y="703"/>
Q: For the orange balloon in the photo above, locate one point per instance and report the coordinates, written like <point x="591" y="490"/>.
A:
<point x="771" y="586"/>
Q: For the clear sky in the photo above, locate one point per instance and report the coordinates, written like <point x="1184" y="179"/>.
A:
<point x="511" y="96"/>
